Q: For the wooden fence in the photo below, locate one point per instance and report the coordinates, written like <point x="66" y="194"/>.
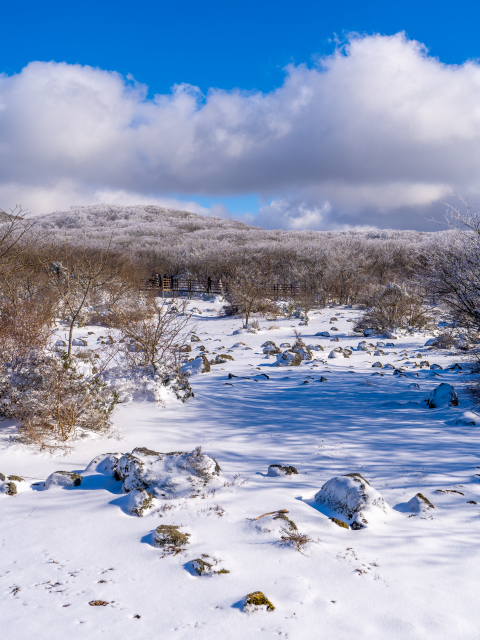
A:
<point x="173" y="285"/>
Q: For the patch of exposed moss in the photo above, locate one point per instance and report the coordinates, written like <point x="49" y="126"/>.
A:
<point x="168" y="535"/>
<point x="340" y="523"/>
<point x="10" y="488"/>
<point x="202" y="567"/>
<point x="289" y="523"/>
<point x="143" y="451"/>
<point x="258" y="599"/>
<point x="420" y="496"/>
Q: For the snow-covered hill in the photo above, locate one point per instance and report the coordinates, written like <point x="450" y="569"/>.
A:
<point x="144" y="227"/>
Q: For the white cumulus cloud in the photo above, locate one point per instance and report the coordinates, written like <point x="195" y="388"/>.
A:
<point x="373" y="135"/>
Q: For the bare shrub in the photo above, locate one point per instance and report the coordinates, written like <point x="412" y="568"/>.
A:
<point x="393" y="308"/>
<point x="25" y="330"/>
<point x="444" y="341"/>
<point x="152" y="332"/>
<point x="53" y="401"/>
<point x="294" y="538"/>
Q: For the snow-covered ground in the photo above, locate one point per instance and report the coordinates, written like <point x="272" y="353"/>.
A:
<point x="409" y="574"/>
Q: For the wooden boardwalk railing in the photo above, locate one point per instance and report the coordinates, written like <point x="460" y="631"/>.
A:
<point x="176" y="285"/>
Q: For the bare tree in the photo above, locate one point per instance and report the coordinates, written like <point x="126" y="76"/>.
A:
<point x="247" y="288"/>
<point x="153" y="332"/>
<point x="81" y="275"/>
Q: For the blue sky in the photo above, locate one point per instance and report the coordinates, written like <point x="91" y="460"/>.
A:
<point x="231" y="44"/>
<point x="244" y="46"/>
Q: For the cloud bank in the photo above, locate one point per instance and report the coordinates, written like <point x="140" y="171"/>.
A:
<point x="373" y="135"/>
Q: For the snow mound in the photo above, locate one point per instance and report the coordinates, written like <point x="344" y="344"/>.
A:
<point x="178" y="474"/>
<point x="63" y="479"/>
<point x="105" y="463"/>
<point x="323" y="334"/>
<point x="443" y="396"/>
<point x="418" y="504"/>
<point x="467" y="418"/>
<point x="352" y="497"/>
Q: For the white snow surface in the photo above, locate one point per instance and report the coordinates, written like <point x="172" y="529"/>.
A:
<point x="409" y="575"/>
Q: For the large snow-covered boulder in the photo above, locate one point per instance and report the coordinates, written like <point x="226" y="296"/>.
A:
<point x="443" y="396"/>
<point x="63" y="479"/>
<point x="353" y="499"/>
<point x="178" y="474"/>
<point x="289" y="359"/>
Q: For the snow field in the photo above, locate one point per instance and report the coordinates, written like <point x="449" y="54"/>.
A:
<point x="409" y="575"/>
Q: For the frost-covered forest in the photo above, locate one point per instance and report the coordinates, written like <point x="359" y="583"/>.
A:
<point x="247" y="463"/>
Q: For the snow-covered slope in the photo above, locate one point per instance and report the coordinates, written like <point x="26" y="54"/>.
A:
<point x="411" y="574"/>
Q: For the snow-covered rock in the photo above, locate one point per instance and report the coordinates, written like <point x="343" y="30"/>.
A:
<point x="270" y="348"/>
<point x="303" y="351"/>
<point x="336" y="353"/>
<point x="418" y="504"/>
<point x="275" y="470"/>
<point x="468" y="418"/>
<point x="285" y="345"/>
<point x="369" y="332"/>
<point x="78" y="342"/>
<point x="141" y="502"/>
<point x="352" y="498"/>
<point x="200" y="364"/>
<point x="178" y="474"/>
<point x="105" y="463"/>
<point x="435" y="366"/>
<point x="377" y="365"/>
<point x="257" y="601"/>
<point x="289" y="359"/>
<point x="323" y="334"/>
<point x="389" y="335"/>
<point x="443" y="396"/>
<point x="362" y="346"/>
<point x="63" y="479"/>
